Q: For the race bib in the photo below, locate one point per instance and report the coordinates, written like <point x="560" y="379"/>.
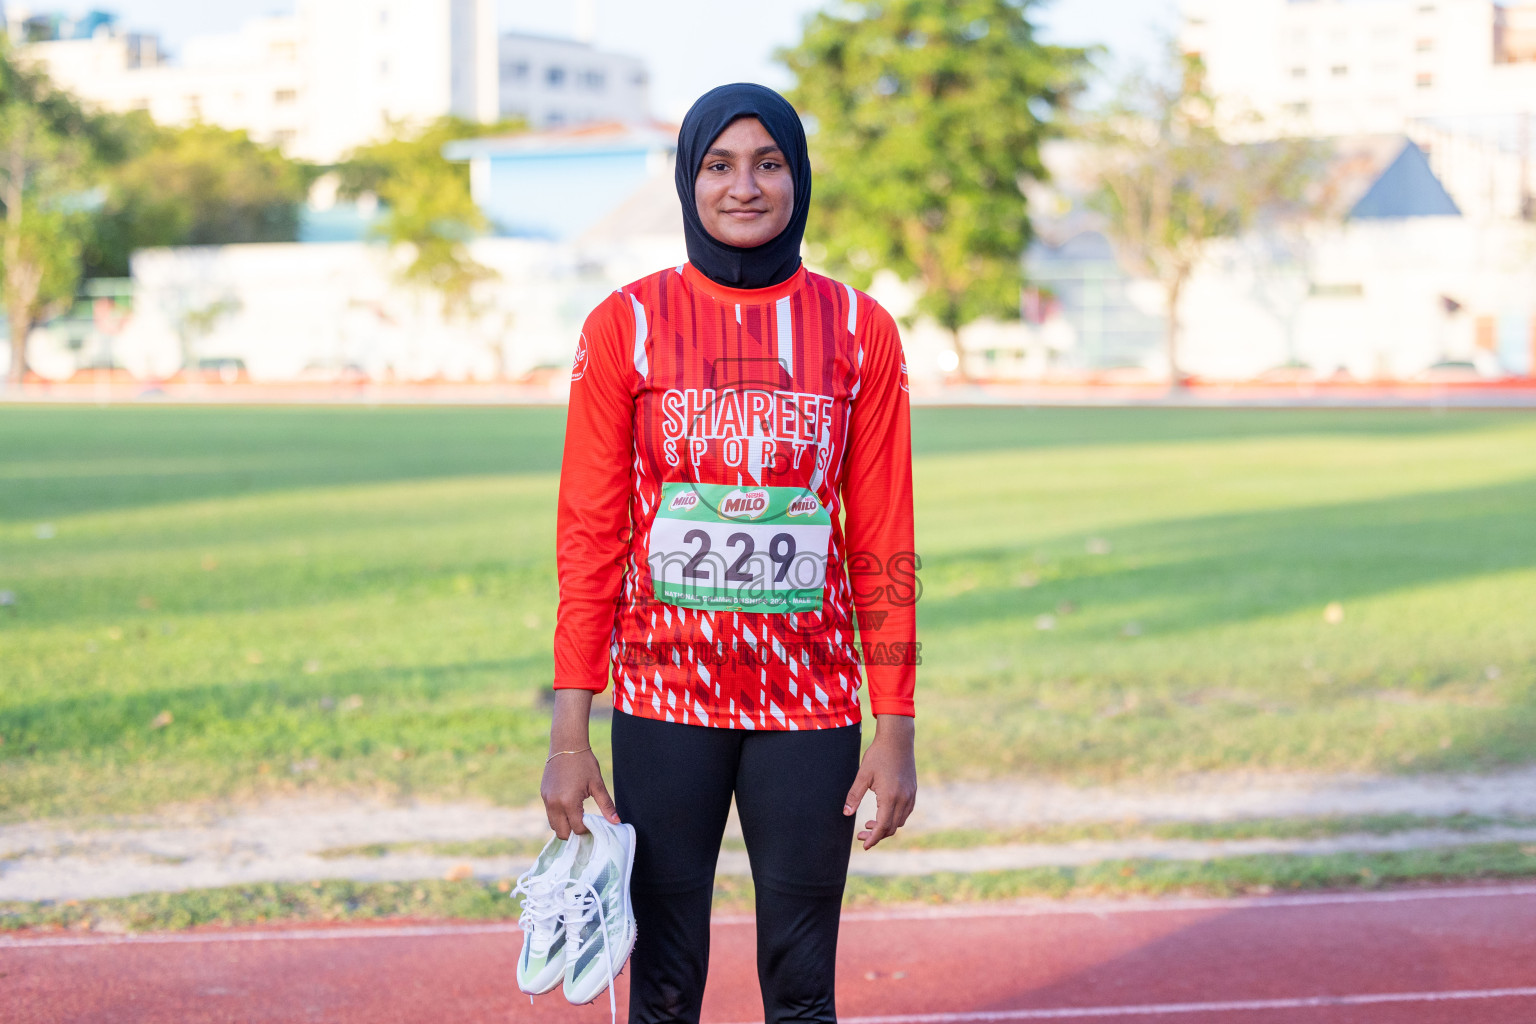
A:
<point x="740" y="549"/>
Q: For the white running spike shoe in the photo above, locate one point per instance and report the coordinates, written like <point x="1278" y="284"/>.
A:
<point x="541" y="964"/>
<point x="599" y="919"/>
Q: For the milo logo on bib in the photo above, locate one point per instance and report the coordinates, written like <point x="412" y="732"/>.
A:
<point x="744" y="504"/>
<point x="683" y="502"/>
<point x="806" y="505"/>
<point x="723" y="548"/>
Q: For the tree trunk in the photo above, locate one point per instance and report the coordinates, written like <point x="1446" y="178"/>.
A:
<point x="960" y="367"/>
<point x="23" y="282"/>
<point x="17" y="303"/>
<point x="20" y="328"/>
<point x="1171" y="338"/>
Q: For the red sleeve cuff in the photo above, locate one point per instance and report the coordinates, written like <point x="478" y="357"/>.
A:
<point x="893" y="706"/>
<point x="596" y="686"/>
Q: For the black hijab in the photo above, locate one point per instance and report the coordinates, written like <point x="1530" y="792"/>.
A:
<point x="776" y="260"/>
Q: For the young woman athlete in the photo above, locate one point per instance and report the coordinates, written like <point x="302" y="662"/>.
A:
<point x="735" y="495"/>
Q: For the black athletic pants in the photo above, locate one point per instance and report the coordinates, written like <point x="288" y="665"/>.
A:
<point x="674" y="783"/>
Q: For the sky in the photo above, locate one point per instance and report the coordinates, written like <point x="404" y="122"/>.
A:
<point x="689" y="45"/>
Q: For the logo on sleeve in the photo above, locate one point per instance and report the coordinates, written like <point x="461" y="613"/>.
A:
<point x="579" y="367"/>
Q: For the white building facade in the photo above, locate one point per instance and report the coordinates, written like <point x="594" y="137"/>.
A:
<point x="555" y="83"/>
<point x="330" y="76"/>
<point x="1360" y="67"/>
<point x="290" y="312"/>
<point x="1457" y="76"/>
<point x="1389" y="282"/>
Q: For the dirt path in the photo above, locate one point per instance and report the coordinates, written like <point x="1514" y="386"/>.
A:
<point x="208" y="846"/>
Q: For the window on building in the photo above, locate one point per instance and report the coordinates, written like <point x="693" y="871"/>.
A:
<point x="1332" y="290"/>
<point x="285" y="51"/>
<point x="1426" y="8"/>
<point x="1298" y="72"/>
<point x="285" y="96"/>
<point x="514" y="70"/>
<point x="1424" y="80"/>
<point x="1423" y="45"/>
<point x="594" y="81"/>
<point x="1339" y="71"/>
<point x="554" y="76"/>
<point x="639" y="80"/>
<point x="554" y="118"/>
<point x="1298" y="109"/>
<point x="384" y="68"/>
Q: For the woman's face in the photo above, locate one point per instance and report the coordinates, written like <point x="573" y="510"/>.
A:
<point x="743" y="189"/>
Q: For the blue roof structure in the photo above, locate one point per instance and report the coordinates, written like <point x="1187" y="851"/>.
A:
<point x="556" y="185"/>
<point x="1407" y="188"/>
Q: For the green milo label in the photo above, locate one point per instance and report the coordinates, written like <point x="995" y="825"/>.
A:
<point x="720" y="547"/>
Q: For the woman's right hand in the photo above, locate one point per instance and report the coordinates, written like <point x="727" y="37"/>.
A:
<point x="569" y="778"/>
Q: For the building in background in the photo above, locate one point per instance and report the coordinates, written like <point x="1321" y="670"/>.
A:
<point x="558" y="185"/>
<point x="1457" y="76"/>
<point x="317" y="82"/>
<point x="578" y="212"/>
<point x="291" y="312"/>
<point x="1393" y="281"/>
<point x="552" y="83"/>
<point x="338" y="312"/>
<point x="1334" y="67"/>
<point x="335" y="72"/>
<point x="1422" y="264"/>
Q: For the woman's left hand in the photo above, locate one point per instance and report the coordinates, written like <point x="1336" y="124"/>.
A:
<point x="890" y="769"/>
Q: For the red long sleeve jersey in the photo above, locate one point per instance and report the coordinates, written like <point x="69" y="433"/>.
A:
<point x="737" y="477"/>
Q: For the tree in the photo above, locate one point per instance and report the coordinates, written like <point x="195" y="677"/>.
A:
<point x="199" y="185"/>
<point x="47" y="142"/>
<point x="1169" y="184"/>
<point x="427" y="203"/>
<point x="929" y="116"/>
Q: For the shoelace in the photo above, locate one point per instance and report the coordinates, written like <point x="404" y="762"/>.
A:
<point x="577" y="907"/>
<point x="540" y="915"/>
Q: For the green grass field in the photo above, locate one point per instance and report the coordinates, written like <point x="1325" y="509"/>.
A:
<point x="238" y="601"/>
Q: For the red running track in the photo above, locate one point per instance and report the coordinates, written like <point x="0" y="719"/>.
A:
<point x="1446" y="956"/>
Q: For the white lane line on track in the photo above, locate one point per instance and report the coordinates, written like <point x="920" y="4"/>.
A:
<point x="290" y="935"/>
<point x="1174" y="1009"/>
<point x="1038" y="908"/>
<point x="1099" y="908"/>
